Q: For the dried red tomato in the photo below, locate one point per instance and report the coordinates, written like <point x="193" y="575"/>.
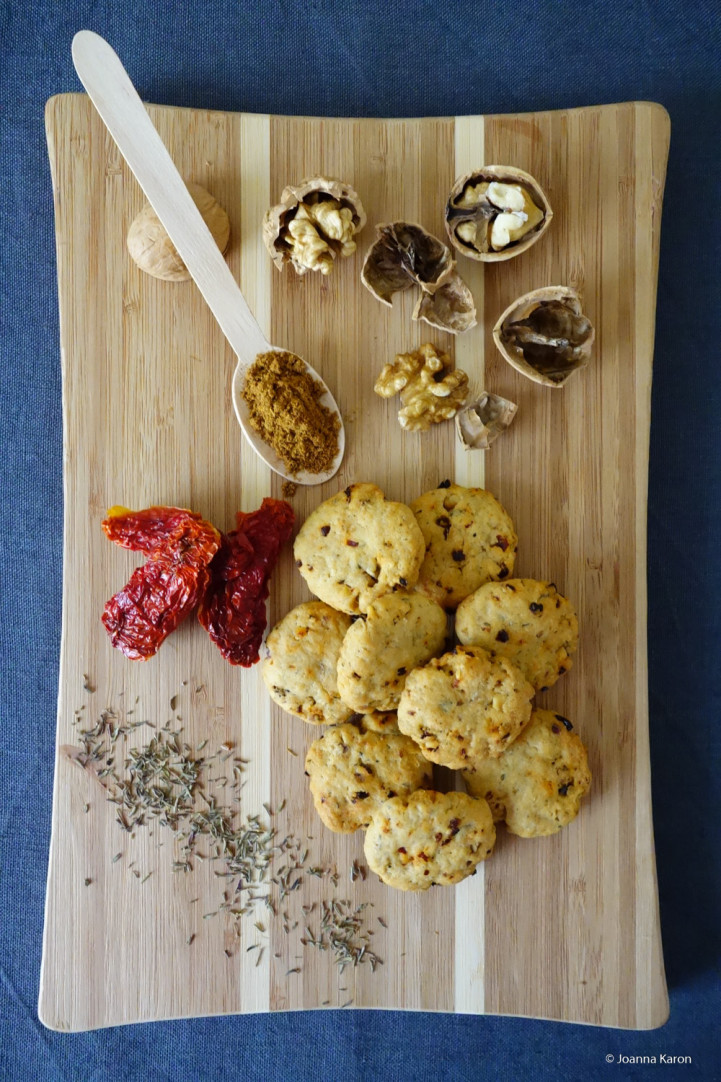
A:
<point x="233" y="608"/>
<point x="161" y="593"/>
<point x="167" y="531"/>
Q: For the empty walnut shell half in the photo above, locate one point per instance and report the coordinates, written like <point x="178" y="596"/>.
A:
<point x="482" y="421"/>
<point x="545" y="335"/>
<point x="153" y="250"/>
<point x="315" y="222"/>
<point x="496" y="212"/>
<point x="405" y="255"/>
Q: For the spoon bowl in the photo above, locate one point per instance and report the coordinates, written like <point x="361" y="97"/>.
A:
<point x="266" y="452"/>
<point x="126" y="118"/>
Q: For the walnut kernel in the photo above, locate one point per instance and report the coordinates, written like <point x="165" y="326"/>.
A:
<point x="314" y="224"/>
<point x="496" y="212"/>
<point x="430" y="390"/>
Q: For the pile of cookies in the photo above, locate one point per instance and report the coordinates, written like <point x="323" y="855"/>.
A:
<point x="373" y="658"/>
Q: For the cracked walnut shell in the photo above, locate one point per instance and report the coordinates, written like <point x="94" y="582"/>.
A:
<point x="481" y="422"/>
<point x="152" y="249"/>
<point x="545" y="335"/>
<point x="315" y="222"/>
<point x="405" y="255"/>
<point x="430" y="390"/>
<point x="496" y="212"/>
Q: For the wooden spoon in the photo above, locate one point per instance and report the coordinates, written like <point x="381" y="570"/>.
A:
<point x="114" y="96"/>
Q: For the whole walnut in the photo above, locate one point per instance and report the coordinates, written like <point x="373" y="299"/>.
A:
<point x="153" y="250"/>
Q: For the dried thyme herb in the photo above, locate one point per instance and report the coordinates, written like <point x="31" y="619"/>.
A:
<point x="166" y="781"/>
<point x="343" y="931"/>
<point x="357" y="871"/>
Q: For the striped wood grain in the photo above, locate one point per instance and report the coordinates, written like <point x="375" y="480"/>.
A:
<point x="563" y="927"/>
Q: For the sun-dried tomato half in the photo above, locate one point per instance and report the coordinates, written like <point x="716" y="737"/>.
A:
<point x="233" y="609"/>
<point x="161" y="593"/>
<point x="168" y="531"/>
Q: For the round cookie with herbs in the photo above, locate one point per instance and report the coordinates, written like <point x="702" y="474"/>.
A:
<point x="352" y="771"/>
<point x="357" y="546"/>
<point x="300" y="668"/>
<point x="429" y="838"/>
<point x="400" y="631"/>
<point x="539" y="781"/>
<point x="527" y="621"/>
<point x="464" y="706"/>
<point x="377" y="721"/>
<point x="469" y="539"/>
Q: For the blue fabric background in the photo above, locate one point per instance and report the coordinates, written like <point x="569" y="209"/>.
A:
<point x="379" y="59"/>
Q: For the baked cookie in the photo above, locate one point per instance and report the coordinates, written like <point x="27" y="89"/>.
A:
<point x="399" y="631"/>
<point x="353" y="772"/>
<point x="300" y="669"/>
<point x="377" y="721"/>
<point x="526" y="621"/>
<point x="429" y="838"/>
<point x="538" y="782"/>
<point x="469" y="539"/>
<point x="357" y="546"/>
<point x="464" y="706"/>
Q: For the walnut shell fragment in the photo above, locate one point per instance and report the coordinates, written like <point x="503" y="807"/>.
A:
<point x="545" y="335"/>
<point x="496" y="212"/>
<point x="405" y="255"/>
<point x="450" y="308"/>
<point x="315" y="222"/>
<point x="481" y="422"/>
<point x="152" y="249"/>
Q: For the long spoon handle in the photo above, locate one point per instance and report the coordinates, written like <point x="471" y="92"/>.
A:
<point x="114" y="96"/>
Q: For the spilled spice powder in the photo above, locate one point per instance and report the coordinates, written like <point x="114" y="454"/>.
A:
<point x="284" y="409"/>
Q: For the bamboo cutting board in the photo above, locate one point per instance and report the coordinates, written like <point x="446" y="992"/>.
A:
<point x="564" y="927"/>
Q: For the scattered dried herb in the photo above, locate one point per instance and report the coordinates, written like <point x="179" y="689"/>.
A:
<point x="167" y="782"/>
<point x="344" y="932"/>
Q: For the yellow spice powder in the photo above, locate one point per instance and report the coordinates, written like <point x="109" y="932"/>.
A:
<point x="285" y="410"/>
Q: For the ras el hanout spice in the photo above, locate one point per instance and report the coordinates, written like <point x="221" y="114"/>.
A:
<point x="285" y="410"/>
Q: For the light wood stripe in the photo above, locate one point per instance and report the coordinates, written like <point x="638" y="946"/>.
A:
<point x="469" y="960"/>
<point x="253" y="164"/>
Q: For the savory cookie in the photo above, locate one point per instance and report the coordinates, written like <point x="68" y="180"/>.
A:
<point x="400" y="631"/>
<point x="357" y="546"/>
<point x="429" y="838"/>
<point x="300" y="669"/>
<point x="524" y="620"/>
<point x="352" y="772"/>
<point x="464" y="706"/>
<point x="469" y="539"/>
<point x="538" y="782"/>
<point x="377" y="721"/>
